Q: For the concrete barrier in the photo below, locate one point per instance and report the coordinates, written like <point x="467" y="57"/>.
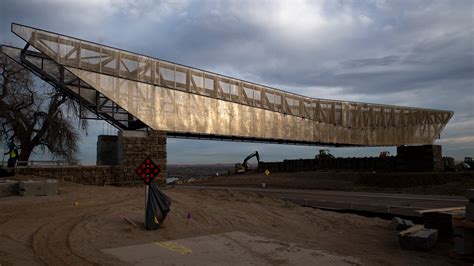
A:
<point x="470" y="211"/>
<point x="418" y="238"/>
<point x="38" y="188"/>
<point x="8" y="187"/>
<point x="463" y="241"/>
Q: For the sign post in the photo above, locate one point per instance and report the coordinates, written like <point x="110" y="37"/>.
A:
<point x="147" y="191"/>
<point x="147" y="171"/>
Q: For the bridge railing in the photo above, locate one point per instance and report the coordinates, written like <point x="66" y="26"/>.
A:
<point x="36" y="163"/>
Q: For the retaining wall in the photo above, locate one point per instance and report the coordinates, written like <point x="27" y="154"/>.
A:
<point x="133" y="147"/>
<point x="90" y="175"/>
<point x="423" y="158"/>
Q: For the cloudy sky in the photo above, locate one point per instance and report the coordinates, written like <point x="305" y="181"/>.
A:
<point x="414" y="53"/>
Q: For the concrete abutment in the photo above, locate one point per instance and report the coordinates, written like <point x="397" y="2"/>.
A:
<point x="117" y="159"/>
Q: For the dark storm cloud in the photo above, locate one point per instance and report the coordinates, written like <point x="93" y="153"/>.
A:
<point x="228" y="41"/>
<point x="416" y="53"/>
<point x="383" y="61"/>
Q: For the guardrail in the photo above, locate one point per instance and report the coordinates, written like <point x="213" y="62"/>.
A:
<point x="37" y="163"/>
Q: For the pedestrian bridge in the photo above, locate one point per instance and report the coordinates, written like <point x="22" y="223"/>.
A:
<point x="134" y="91"/>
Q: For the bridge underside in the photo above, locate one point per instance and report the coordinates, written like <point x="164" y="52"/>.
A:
<point x="134" y="92"/>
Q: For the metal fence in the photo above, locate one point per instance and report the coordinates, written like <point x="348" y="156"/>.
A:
<point x="37" y="163"/>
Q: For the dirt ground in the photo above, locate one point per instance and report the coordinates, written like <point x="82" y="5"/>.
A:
<point x="454" y="183"/>
<point x="72" y="227"/>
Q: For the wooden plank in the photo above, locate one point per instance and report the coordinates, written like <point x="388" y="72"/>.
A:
<point x="463" y="222"/>
<point x="412" y="229"/>
<point x="442" y="209"/>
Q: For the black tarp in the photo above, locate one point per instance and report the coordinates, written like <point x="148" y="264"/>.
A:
<point x="158" y="206"/>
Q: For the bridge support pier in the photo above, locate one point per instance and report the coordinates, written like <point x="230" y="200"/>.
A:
<point x="421" y="158"/>
<point x="135" y="146"/>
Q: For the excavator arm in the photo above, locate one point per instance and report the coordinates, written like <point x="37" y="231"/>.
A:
<point x="255" y="154"/>
<point x="242" y="168"/>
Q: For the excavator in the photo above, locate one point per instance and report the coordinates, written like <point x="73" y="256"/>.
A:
<point x="468" y="163"/>
<point x="324" y="154"/>
<point x="241" y="168"/>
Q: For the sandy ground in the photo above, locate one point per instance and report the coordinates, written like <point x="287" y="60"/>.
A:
<point x="74" y="226"/>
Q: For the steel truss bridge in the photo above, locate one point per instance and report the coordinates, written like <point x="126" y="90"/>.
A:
<point x="136" y="92"/>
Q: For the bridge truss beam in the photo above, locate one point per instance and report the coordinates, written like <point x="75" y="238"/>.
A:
<point x="186" y="101"/>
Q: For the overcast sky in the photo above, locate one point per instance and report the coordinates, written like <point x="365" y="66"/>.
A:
<point x="412" y="53"/>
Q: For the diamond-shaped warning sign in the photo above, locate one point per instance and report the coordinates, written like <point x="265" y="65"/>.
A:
<point x="267" y="172"/>
<point x="148" y="170"/>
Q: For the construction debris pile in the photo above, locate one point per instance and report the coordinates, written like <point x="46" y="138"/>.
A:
<point x="464" y="230"/>
<point x="454" y="223"/>
<point x="415" y="237"/>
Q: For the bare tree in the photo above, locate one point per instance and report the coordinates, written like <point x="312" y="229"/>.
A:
<point x="35" y="116"/>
